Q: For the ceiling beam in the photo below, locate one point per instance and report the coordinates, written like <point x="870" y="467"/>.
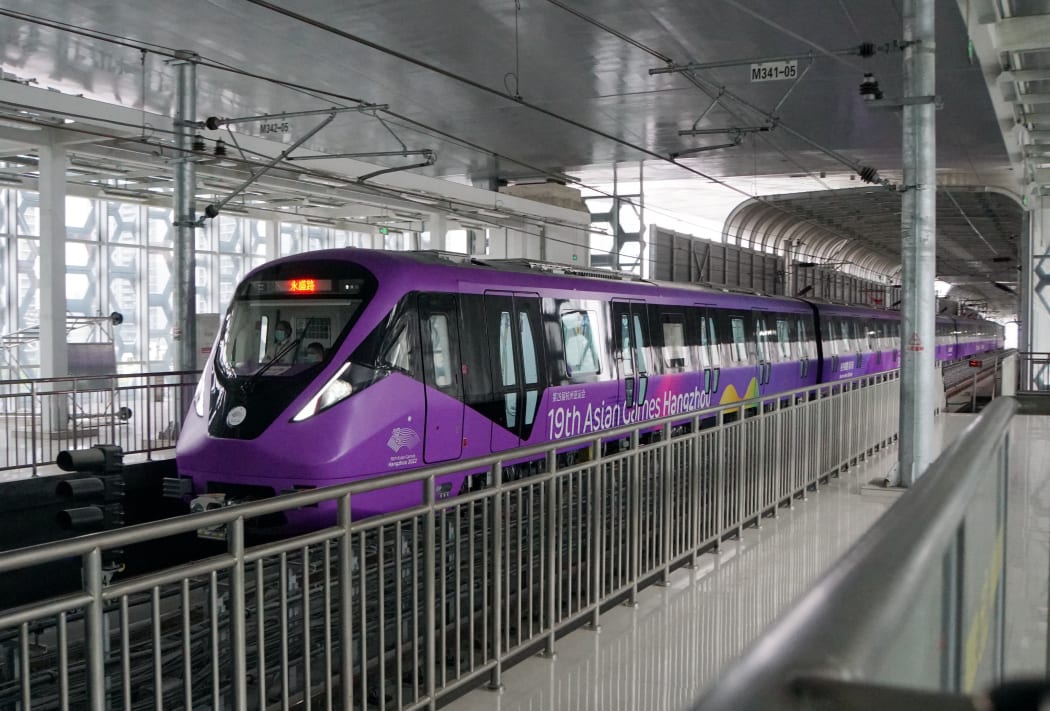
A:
<point x="1021" y="34"/>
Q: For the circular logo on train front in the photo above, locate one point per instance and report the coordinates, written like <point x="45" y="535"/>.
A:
<point x="236" y="416"/>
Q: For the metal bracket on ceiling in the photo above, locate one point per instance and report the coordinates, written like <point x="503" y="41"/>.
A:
<point x="213" y="123"/>
<point x="896" y="103"/>
<point x="213" y="210"/>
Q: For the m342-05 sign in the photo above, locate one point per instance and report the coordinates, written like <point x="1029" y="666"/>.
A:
<point x="774" y="71"/>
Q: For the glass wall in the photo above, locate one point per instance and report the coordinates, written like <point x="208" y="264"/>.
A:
<point x="120" y="257"/>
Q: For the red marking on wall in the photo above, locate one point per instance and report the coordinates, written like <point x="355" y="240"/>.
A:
<point x="915" y="344"/>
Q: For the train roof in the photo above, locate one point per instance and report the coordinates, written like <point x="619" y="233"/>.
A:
<point x="452" y="270"/>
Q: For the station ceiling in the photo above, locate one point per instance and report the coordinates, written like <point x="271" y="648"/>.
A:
<point x="523" y="90"/>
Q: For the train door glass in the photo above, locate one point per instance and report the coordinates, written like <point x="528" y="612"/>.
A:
<point x="513" y="323"/>
<point x="631" y="323"/>
<point x="764" y="347"/>
<point x="710" y="359"/>
<point x="442" y="373"/>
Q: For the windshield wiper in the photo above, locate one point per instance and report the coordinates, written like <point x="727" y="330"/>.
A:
<point x="285" y="350"/>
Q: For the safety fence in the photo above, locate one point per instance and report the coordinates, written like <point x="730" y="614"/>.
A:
<point x="39" y="418"/>
<point x="913" y="616"/>
<point x="1034" y="370"/>
<point x="401" y="610"/>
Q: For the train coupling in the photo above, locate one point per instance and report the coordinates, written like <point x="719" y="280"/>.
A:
<point x="210" y="502"/>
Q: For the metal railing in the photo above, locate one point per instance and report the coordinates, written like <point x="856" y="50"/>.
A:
<point x="41" y="417"/>
<point x="400" y="610"/>
<point x="1034" y="370"/>
<point x="913" y="616"/>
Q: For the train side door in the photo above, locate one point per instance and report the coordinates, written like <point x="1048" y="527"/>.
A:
<point x="442" y="373"/>
<point x="517" y="361"/>
<point x="630" y="332"/>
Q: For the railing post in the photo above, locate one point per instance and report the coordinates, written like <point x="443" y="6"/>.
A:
<point x="695" y="473"/>
<point x="633" y="469"/>
<point x="496" y="677"/>
<point x="720" y="478"/>
<point x="346" y="621"/>
<point x="95" y="647"/>
<point x="148" y="407"/>
<point x="430" y="604"/>
<point x="238" y="614"/>
<point x="665" y="447"/>
<point x="32" y="424"/>
<point x="597" y="490"/>
<point x="552" y="550"/>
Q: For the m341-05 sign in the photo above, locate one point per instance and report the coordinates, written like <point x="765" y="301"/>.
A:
<point x="774" y="71"/>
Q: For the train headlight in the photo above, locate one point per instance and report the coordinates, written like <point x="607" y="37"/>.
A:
<point x="335" y="390"/>
<point x="198" y="396"/>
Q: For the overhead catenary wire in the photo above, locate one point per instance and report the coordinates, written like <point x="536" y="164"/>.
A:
<point x="168" y="52"/>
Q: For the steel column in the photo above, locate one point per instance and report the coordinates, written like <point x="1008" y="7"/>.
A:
<point x="918" y="244"/>
<point x="185" y="296"/>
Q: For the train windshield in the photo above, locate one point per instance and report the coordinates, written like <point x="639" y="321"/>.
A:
<point x="291" y="317"/>
<point x="284" y="337"/>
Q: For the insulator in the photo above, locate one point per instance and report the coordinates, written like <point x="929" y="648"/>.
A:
<point x="868" y="174"/>
<point x="866" y="49"/>
<point x="198" y="144"/>
<point x="220" y="148"/>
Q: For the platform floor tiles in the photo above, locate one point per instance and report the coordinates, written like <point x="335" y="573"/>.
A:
<point x="662" y="654"/>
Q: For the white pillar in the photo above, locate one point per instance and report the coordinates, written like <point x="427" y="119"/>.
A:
<point x="54" y="358"/>
<point x="918" y="245"/>
<point x="437" y="229"/>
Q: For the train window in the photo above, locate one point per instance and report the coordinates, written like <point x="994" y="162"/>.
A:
<point x="438" y="325"/>
<point x="508" y="372"/>
<point x="674" y="351"/>
<point x="530" y="373"/>
<point x="581" y="353"/>
<point x="739" y="339"/>
<point x="845" y="342"/>
<point x="784" y="338"/>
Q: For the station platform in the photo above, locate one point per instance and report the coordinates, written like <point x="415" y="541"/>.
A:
<point x="665" y="652"/>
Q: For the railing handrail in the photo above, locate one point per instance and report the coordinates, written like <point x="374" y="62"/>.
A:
<point x="106" y="540"/>
<point x="107" y="376"/>
<point x="847" y="619"/>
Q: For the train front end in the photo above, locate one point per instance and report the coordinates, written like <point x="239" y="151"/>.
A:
<point x="273" y="411"/>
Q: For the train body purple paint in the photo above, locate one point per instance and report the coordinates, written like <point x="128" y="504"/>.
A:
<point x="490" y="366"/>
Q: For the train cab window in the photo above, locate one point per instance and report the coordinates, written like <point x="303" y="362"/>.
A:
<point x="739" y="339"/>
<point x="508" y="372"/>
<point x="581" y="351"/>
<point x="530" y="371"/>
<point x="440" y="358"/>
<point x="674" y="350"/>
<point x="784" y="338"/>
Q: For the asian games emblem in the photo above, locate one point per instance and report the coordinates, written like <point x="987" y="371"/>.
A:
<point x="402" y="438"/>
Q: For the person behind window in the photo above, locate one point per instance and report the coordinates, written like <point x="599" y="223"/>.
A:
<point x="281" y="333"/>
<point x="314" y="353"/>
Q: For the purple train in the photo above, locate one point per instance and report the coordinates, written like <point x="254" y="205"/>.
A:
<point x="343" y="365"/>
